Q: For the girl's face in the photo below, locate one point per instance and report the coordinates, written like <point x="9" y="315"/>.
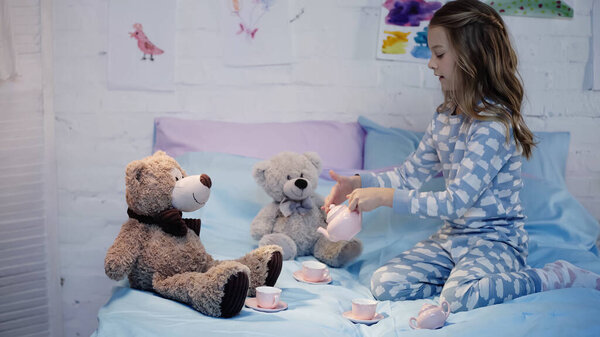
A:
<point x="443" y="59"/>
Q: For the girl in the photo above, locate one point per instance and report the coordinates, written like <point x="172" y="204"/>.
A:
<point x="476" y="138"/>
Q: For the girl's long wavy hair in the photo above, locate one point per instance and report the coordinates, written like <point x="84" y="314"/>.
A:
<point x="486" y="76"/>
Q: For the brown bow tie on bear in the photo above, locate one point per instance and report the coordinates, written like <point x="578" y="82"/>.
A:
<point x="169" y="220"/>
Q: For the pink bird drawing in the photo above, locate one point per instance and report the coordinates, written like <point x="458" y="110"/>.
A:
<point x="144" y="44"/>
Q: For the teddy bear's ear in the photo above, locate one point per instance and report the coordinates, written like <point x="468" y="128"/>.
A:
<point x="314" y="159"/>
<point x="159" y="153"/>
<point x="258" y="172"/>
<point x="134" y="171"/>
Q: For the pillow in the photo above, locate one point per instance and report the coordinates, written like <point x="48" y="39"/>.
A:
<point x="549" y="157"/>
<point x="340" y="145"/>
<point x="555" y="219"/>
<point x="386" y="147"/>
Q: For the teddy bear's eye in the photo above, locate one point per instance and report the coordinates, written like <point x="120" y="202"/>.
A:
<point x="288" y="177"/>
<point x="176" y="174"/>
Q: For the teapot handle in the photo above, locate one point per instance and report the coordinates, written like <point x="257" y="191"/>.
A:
<point x="411" y="323"/>
<point x="326" y="274"/>
<point x="447" y="310"/>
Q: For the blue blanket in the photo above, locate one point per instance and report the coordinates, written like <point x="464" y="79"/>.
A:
<point x="559" y="228"/>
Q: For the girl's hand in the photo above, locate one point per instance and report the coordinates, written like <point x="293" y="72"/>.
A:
<point x="367" y="199"/>
<point x="343" y="187"/>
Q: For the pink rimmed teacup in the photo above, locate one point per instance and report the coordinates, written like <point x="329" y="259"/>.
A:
<point x="267" y="297"/>
<point x="314" y="271"/>
<point x="364" y="308"/>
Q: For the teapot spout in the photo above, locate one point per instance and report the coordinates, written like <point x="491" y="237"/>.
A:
<point x="324" y="232"/>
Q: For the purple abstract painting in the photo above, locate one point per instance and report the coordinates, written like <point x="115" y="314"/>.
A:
<point x="410" y="12"/>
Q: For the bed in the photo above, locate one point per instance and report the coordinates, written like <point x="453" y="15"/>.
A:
<point x="559" y="228"/>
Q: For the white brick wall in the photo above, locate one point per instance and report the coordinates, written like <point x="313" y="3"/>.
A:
<point x="335" y="76"/>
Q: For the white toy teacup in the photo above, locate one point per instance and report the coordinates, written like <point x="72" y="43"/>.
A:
<point x="430" y="316"/>
<point x="343" y="224"/>
<point x="364" y="308"/>
<point x="267" y="297"/>
<point x="314" y="271"/>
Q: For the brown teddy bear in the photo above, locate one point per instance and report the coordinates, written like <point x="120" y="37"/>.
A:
<point x="161" y="252"/>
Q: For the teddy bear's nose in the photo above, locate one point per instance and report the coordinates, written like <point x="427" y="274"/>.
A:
<point x="205" y="180"/>
<point x="301" y="184"/>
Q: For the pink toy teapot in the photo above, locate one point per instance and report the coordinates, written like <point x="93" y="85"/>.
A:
<point x="430" y="316"/>
<point x="343" y="224"/>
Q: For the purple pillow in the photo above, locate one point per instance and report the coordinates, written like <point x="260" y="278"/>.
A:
<point x="340" y="145"/>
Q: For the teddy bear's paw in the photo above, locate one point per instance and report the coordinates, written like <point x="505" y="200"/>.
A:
<point x="337" y="254"/>
<point x="349" y="251"/>
<point x="265" y="265"/>
<point x="234" y="294"/>
<point x="288" y="246"/>
<point x="114" y="270"/>
<point x="274" y="268"/>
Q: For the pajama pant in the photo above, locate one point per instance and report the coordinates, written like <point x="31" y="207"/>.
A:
<point x="467" y="271"/>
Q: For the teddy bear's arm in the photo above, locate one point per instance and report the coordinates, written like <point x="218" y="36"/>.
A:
<point x="319" y="202"/>
<point x="264" y="221"/>
<point x="124" y="251"/>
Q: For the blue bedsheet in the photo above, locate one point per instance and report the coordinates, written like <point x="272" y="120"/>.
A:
<point x="560" y="229"/>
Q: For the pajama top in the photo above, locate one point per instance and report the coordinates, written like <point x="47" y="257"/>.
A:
<point x="482" y="173"/>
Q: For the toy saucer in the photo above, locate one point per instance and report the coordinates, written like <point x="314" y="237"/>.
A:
<point x="252" y="303"/>
<point x="348" y="314"/>
<point x="299" y="277"/>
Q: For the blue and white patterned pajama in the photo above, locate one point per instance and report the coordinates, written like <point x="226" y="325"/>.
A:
<point x="478" y="257"/>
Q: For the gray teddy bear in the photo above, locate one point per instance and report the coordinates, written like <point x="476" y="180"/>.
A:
<point x="292" y="219"/>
